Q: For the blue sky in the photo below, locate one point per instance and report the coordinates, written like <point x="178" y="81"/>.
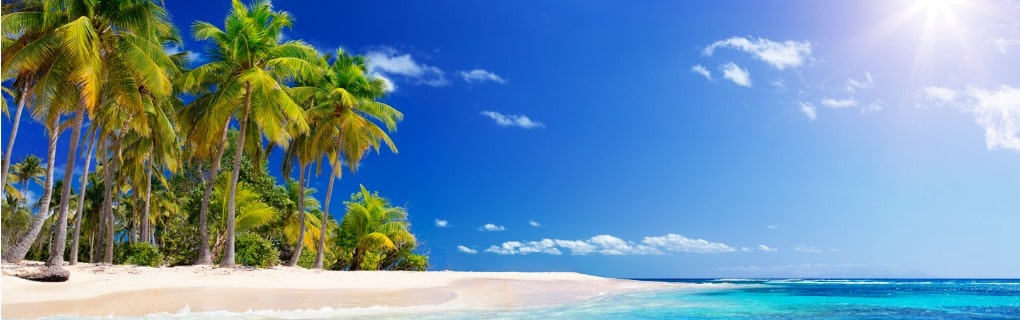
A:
<point x="690" y="139"/>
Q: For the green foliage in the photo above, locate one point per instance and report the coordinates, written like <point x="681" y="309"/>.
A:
<point x="139" y="253"/>
<point x="178" y="241"/>
<point x="412" y="262"/>
<point x="254" y="250"/>
<point x="16" y="220"/>
<point x="376" y="235"/>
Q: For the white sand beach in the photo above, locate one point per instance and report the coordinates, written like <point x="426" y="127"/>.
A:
<point x="103" y="290"/>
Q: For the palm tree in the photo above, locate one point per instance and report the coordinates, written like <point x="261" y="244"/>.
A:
<point x="374" y="226"/>
<point x="81" y="201"/>
<point x="345" y="107"/>
<point x="249" y="68"/>
<point x="28" y="170"/>
<point x="299" y="217"/>
<point x="16" y="253"/>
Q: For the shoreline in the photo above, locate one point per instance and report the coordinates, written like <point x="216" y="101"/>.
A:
<point x="125" y="290"/>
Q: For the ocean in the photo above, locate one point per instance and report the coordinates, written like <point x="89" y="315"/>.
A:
<point x="731" y="299"/>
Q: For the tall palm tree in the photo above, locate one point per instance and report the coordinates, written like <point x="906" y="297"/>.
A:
<point x="78" y="214"/>
<point x="16" y="253"/>
<point x="344" y="117"/>
<point x="249" y="68"/>
<point x="375" y="225"/>
<point x="298" y="218"/>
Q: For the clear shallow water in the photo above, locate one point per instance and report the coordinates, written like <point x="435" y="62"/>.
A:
<point x="732" y="299"/>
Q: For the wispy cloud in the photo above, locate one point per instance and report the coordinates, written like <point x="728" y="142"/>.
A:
<point x="192" y="57"/>
<point x="702" y="71"/>
<point x="388" y="63"/>
<point x="481" y="75"/>
<point x="772" y="227"/>
<point x="491" y="227"/>
<point x="765" y="248"/>
<point x="839" y="103"/>
<point x="809" y="111"/>
<point x="1003" y="44"/>
<point x="853" y="85"/>
<point x="533" y="223"/>
<point x="876" y="106"/>
<point x="610" y="245"/>
<point x="781" y="55"/>
<point x="734" y="73"/>
<point x="996" y="110"/>
<point x="466" y="250"/>
<point x="807" y="249"/>
<point x="442" y="223"/>
<point x="746" y="249"/>
<point x="514" y="120"/>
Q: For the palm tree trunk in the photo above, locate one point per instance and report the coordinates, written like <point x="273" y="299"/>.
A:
<point x="81" y="203"/>
<point x="14" y="134"/>
<point x="301" y="216"/>
<point x="204" y="255"/>
<point x="108" y="198"/>
<point x="228" y="250"/>
<point x="148" y="200"/>
<point x="321" y="246"/>
<point x="17" y="253"/>
<point x="57" y="250"/>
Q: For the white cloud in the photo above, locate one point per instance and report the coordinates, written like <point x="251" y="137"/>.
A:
<point x="809" y="110"/>
<point x="940" y="94"/>
<point x="515" y="120"/>
<point x="388" y="84"/>
<point x="702" y="71"/>
<point x="780" y="55"/>
<point x="807" y="249"/>
<point x="466" y="250"/>
<point x="876" y="106"/>
<point x="853" y="85"/>
<point x="29" y="197"/>
<point x="491" y="227"/>
<point x="839" y="103"/>
<point x="745" y="249"/>
<point x="481" y="75"/>
<point x="609" y="245"/>
<point x="765" y="248"/>
<point x="1003" y="44"/>
<point x="388" y="63"/>
<point x="772" y="226"/>
<point x="193" y="57"/>
<point x="546" y="246"/>
<point x="734" y="73"/>
<point x="996" y="110"/>
<point x="533" y="223"/>
<point x="442" y="223"/>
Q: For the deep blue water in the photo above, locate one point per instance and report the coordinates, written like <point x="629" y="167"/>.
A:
<point x="734" y="299"/>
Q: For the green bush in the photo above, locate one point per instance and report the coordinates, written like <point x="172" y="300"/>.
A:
<point x="178" y="242"/>
<point x="253" y="250"/>
<point x="141" y="253"/>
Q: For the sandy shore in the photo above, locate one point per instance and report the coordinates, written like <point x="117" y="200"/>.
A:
<point x="102" y="290"/>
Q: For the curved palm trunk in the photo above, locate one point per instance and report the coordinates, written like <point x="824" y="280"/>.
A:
<point x="204" y="255"/>
<point x="321" y="246"/>
<point x="81" y="204"/>
<point x="301" y="217"/>
<point x="14" y="134"/>
<point x="57" y="249"/>
<point x="228" y="251"/>
<point x="17" y="253"/>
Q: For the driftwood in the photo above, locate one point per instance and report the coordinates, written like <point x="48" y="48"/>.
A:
<point x="46" y="274"/>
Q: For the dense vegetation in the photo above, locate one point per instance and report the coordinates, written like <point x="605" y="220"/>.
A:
<point x="175" y="158"/>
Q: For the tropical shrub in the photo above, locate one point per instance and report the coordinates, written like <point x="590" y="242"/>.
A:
<point x="253" y="250"/>
<point x="139" y="253"/>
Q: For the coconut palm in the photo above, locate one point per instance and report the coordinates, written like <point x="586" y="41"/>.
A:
<point x="345" y="121"/>
<point x="299" y="217"/>
<point x="16" y="253"/>
<point x="75" y="244"/>
<point x="249" y="67"/>
<point x="28" y="170"/>
<point x="374" y="225"/>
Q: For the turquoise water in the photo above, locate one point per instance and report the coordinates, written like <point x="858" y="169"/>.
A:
<point x="733" y="299"/>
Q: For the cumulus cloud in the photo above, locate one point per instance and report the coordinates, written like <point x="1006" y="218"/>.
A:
<point x="514" y="120"/>
<point x="854" y="85"/>
<point x="734" y="73"/>
<point x="839" y="103"/>
<point x="765" y="248"/>
<point x="745" y="249"/>
<point x="481" y="75"/>
<point x="610" y="245"/>
<point x="780" y="55"/>
<point x="809" y="111"/>
<point x="466" y="250"/>
<point x="192" y="57"/>
<point x="996" y="110"/>
<point x="702" y="71"/>
<point x="491" y="227"/>
<point x="442" y="223"/>
<point x="533" y="223"/>
<point x="388" y="63"/>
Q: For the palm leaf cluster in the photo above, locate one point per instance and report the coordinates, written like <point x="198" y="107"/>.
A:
<point x="157" y="133"/>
